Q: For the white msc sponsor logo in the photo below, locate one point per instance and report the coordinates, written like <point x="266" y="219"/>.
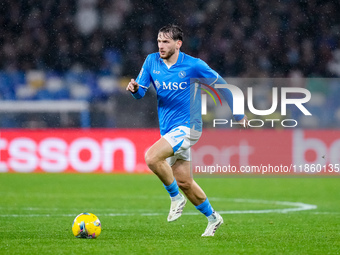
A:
<point x="174" y="85"/>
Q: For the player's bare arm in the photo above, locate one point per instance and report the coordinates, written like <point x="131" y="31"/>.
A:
<point x="132" y="86"/>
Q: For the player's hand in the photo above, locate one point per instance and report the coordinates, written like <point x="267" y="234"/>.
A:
<point x="244" y="122"/>
<point x="132" y="86"/>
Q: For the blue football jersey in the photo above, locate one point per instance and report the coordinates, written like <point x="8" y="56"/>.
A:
<point x="178" y="94"/>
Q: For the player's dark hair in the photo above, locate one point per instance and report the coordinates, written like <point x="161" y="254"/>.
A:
<point x="174" y="31"/>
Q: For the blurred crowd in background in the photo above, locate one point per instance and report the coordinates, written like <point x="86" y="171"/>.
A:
<point x="89" y="49"/>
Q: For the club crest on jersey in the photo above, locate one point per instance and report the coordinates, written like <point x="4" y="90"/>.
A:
<point x="157" y="84"/>
<point x="182" y="74"/>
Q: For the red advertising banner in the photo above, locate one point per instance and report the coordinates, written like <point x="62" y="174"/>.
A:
<point x="70" y="150"/>
<point x="123" y="150"/>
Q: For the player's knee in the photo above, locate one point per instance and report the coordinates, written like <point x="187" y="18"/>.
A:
<point x="150" y="160"/>
<point x="184" y="184"/>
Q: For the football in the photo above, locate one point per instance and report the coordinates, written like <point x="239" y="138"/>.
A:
<point x="86" y="225"/>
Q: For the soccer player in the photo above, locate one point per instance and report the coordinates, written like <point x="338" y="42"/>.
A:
<point x="170" y="72"/>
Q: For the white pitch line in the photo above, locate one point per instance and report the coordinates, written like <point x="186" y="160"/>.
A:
<point x="295" y="207"/>
<point x="326" y="213"/>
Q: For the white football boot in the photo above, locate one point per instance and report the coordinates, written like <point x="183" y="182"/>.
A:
<point x="213" y="224"/>
<point x="176" y="208"/>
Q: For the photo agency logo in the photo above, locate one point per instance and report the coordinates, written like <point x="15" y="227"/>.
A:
<point x="302" y="96"/>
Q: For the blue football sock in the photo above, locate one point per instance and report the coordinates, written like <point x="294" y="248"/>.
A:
<point x="172" y="189"/>
<point x="205" y="208"/>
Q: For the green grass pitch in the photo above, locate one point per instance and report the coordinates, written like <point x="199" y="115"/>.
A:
<point x="37" y="211"/>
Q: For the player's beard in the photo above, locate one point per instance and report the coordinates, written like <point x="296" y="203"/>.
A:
<point x="169" y="54"/>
